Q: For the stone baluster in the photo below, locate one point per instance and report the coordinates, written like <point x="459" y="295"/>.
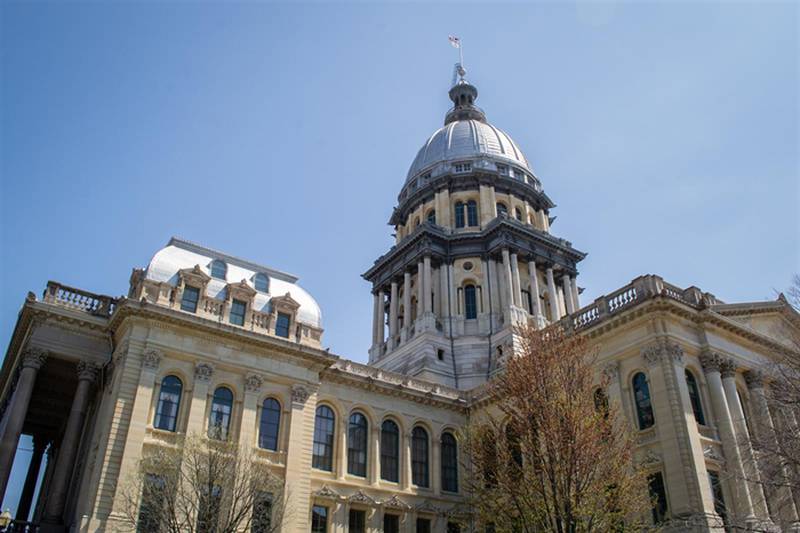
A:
<point x="741" y="494"/>
<point x="32" y="361"/>
<point x="68" y="451"/>
<point x="780" y="499"/>
<point x="759" y="501"/>
<point x="555" y="313"/>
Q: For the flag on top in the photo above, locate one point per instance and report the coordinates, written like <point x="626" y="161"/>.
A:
<point x="455" y="41"/>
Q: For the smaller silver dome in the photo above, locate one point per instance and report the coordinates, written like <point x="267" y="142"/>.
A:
<point x="467" y="139"/>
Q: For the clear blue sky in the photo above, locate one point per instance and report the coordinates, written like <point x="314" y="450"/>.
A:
<point x="666" y="133"/>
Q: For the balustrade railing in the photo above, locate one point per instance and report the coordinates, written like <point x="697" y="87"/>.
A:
<point x="70" y="297"/>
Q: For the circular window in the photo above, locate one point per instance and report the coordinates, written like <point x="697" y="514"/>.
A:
<point x="468" y="266"/>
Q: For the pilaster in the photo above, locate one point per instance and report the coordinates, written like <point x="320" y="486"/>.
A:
<point x="298" y="459"/>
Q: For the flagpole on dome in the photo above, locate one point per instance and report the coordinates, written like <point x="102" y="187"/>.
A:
<point x="455" y="42"/>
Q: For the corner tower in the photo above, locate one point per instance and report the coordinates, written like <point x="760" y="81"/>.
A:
<point x="474" y="256"/>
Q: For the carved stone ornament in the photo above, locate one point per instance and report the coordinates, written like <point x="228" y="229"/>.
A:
<point x="650" y="458"/>
<point x="396" y="503"/>
<point x="151" y="359"/>
<point x="710" y="361"/>
<point x="327" y="493"/>
<point x="34" y="358"/>
<point x="427" y="507"/>
<point x="654" y="353"/>
<point x="253" y="382"/>
<point x="203" y="372"/>
<point x="727" y="367"/>
<point x="300" y="394"/>
<point x="87" y="371"/>
<point x="611" y="372"/>
<point x="754" y="379"/>
<point x="360" y="497"/>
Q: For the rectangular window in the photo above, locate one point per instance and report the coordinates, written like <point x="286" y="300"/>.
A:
<point x="463" y="167"/>
<point x="358" y="521"/>
<point x="716" y="492"/>
<point x="191" y="295"/>
<point x="391" y="523"/>
<point x="502" y="169"/>
<point x="423" y="525"/>
<point x="282" y="325"/>
<point x="238" y="309"/>
<point x="319" y="519"/>
<point x="262" y="513"/>
<point x="519" y="175"/>
<point x="658" y="494"/>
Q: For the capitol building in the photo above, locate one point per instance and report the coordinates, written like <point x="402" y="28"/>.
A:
<point x="205" y="339"/>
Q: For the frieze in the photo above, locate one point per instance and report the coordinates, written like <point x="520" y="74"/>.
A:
<point x="650" y="458"/>
<point x="203" y="371"/>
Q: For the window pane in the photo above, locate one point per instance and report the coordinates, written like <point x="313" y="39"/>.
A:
<point x="270" y="424"/>
<point x="191" y="295"/>
<point x="501" y="210"/>
<point x="358" y="521"/>
<point x="390" y="451"/>
<point x="218" y="269"/>
<point x="432" y="217"/>
<point x="659" y="496"/>
<point x="472" y="213"/>
<point x="470" y="303"/>
<point x="423" y="525"/>
<point x="644" y="409"/>
<point x="449" y="463"/>
<point x="459" y="215"/>
<point x="357" y="445"/>
<point x="282" y="325"/>
<point x="324" y="423"/>
<point x="716" y="492"/>
<point x="694" y="397"/>
<point x="169" y="400"/>
<point x="419" y="457"/>
<point x="261" y="283"/>
<point x="391" y="523"/>
<point x="238" y="308"/>
<point x="220" y="418"/>
<point x="319" y="519"/>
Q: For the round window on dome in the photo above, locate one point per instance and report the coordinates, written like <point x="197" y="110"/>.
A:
<point x="468" y="266"/>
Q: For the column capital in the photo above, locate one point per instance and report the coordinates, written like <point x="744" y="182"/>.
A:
<point x="710" y="361"/>
<point x="656" y="352"/>
<point x="727" y="367"/>
<point x="151" y="359"/>
<point x="253" y="382"/>
<point x="754" y="379"/>
<point x="34" y="358"/>
<point x="87" y="370"/>
<point x="203" y="371"/>
<point x="611" y="371"/>
<point x="300" y="394"/>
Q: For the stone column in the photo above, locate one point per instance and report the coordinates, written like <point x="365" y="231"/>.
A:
<point x="297" y="490"/>
<point x="508" y="283"/>
<point x="575" y="293"/>
<point x="515" y="281"/>
<point x="405" y="464"/>
<point x="568" y="294"/>
<point x="68" y="451"/>
<point x="427" y="285"/>
<point x="374" y="457"/>
<point x="743" y="505"/>
<point x="485" y="301"/>
<point x="26" y="498"/>
<point x="407" y="300"/>
<point x="248" y="431"/>
<point x="780" y="498"/>
<point x="728" y="372"/>
<point x="420" y="290"/>
<point x="377" y="319"/>
<point x="32" y="361"/>
<point x="555" y="314"/>
<point x="436" y="461"/>
<point x="393" y="314"/>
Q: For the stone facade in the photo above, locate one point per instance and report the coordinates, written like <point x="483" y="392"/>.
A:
<point x="85" y="374"/>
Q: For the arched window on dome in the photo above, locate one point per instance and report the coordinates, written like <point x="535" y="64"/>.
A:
<point x="357" y="431"/>
<point x="218" y="269"/>
<point x="324" y="425"/>
<point x="416" y="222"/>
<point x="169" y="402"/>
<point x="460" y="214"/>
<point x="419" y="458"/>
<point x="270" y="424"/>
<point x="641" y="396"/>
<point x="431" y="216"/>
<point x="502" y="210"/>
<point x="261" y="282"/>
<point x="694" y="398"/>
<point x="219" y="419"/>
<point x="518" y="213"/>
<point x="390" y="451"/>
<point x="470" y="302"/>
<point x="472" y="213"/>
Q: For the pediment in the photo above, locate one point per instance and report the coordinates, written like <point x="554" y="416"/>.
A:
<point x="241" y="288"/>
<point x="285" y="301"/>
<point x="196" y="272"/>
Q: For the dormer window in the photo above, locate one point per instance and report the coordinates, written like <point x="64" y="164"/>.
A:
<point x="191" y="295"/>
<point x="519" y="175"/>
<point x="261" y="282"/>
<point x="282" y="325"/>
<point x="238" y="309"/>
<point x="463" y="167"/>
<point x="502" y="169"/>
<point x="218" y="269"/>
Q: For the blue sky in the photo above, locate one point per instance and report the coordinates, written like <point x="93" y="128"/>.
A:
<point x="666" y="133"/>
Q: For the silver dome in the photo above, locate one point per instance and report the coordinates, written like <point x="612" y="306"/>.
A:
<point x="467" y="140"/>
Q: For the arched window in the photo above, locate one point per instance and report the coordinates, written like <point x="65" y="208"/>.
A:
<point x="518" y="214"/>
<point x="219" y="421"/>
<point x="431" y="218"/>
<point x="472" y="213"/>
<point x="694" y="397"/>
<point x="419" y="457"/>
<point x="514" y="443"/>
<point x="324" y="424"/>
<point x="459" y="215"/>
<point x="390" y="451"/>
<point x="502" y="210"/>
<point x="270" y="424"/>
<point x="357" y="445"/>
<point x="601" y="401"/>
<point x="218" y="269"/>
<point x="261" y="282"/>
<point x="169" y="401"/>
<point x="641" y="395"/>
<point x="470" y="303"/>
<point x="449" y="463"/>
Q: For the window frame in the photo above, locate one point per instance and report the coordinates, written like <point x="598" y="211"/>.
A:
<point x="279" y="327"/>
<point x="472" y="214"/>
<point x="470" y="301"/>
<point x="216" y="431"/>
<point x="324" y="461"/>
<point x="695" y="398"/>
<point x="264" y="423"/>
<point x="315" y="528"/>
<point x="194" y="303"/>
<point x="261" y="280"/>
<point x="420" y="457"/>
<point x="460" y="214"/>
<point x="645" y="414"/>
<point x="357" y="444"/>
<point x="449" y="469"/>
<point x="214" y="267"/>
<point x="660" y="509"/>
<point x="240" y="317"/>
<point x="390" y="442"/>
<point x="159" y="415"/>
